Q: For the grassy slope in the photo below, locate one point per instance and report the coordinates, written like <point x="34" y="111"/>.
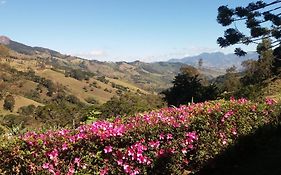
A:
<point x="75" y="87"/>
<point x="126" y="84"/>
<point x="20" y="101"/>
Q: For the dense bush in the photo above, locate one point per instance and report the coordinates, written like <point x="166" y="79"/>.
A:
<point x="9" y="103"/>
<point x="167" y="141"/>
<point x="78" y="74"/>
<point x="130" y="103"/>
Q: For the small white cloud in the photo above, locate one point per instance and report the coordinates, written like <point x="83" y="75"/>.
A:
<point x="92" y="54"/>
<point x="98" y="53"/>
<point x="3" y="2"/>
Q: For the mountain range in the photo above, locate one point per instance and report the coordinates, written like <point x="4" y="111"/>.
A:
<point x="155" y="76"/>
<point x="32" y="74"/>
<point x="217" y="60"/>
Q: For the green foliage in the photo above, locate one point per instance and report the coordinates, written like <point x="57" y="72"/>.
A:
<point x="261" y="19"/>
<point x="78" y="74"/>
<point x="188" y="87"/>
<point x="92" y="117"/>
<point x="103" y="79"/>
<point x="119" y="87"/>
<point x="27" y="110"/>
<point x="231" y="81"/>
<point x="57" y="114"/>
<point x="9" y="103"/>
<point x="130" y="103"/>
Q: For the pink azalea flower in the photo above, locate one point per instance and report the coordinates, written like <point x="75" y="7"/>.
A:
<point x="45" y="166"/>
<point x="169" y="136"/>
<point x="64" y="146"/>
<point x="161" y="136"/>
<point x="53" y="154"/>
<point x="77" y="161"/>
<point x="71" y="170"/>
<point x="107" y="149"/>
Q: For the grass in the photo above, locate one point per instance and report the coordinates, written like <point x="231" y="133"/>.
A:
<point x="20" y="101"/>
<point x="75" y="87"/>
<point x="126" y="84"/>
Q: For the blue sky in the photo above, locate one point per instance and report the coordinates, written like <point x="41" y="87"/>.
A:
<point x="147" y="30"/>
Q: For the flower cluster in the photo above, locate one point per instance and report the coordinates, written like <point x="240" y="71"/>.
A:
<point x="185" y="137"/>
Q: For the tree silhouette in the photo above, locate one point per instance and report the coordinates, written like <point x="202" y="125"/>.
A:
<point x="263" y="21"/>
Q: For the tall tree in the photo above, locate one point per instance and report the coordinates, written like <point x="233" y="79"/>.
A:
<point x="257" y="71"/>
<point x="263" y="21"/>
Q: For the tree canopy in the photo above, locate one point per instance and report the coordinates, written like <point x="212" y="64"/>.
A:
<point x="263" y="21"/>
<point x="188" y="87"/>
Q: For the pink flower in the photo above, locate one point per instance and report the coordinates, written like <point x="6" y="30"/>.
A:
<point x="77" y="161"/>
<point x="107" y="149"/>
<point x="120" y="162"/>
<point x="242" y="101"/>
<point x="184" y="151"/>
<point x="71" y="170"/>
<point x="45" y="166"/>
<point x="53" y="154"/>
<point x="64" y="146"/>
<point x="127" y="168"/>
<point x="154" y="144"/>
<point x="161" y="136"/>
<point x="270" y="101"/>
<point x="169" y="136"/>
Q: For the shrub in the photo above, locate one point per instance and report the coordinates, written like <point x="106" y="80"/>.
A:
<point x="167" y="141"/>
<point x="9" y="103"/>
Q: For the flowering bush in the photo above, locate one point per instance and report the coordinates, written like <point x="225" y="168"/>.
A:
<point x="170" y="140"/>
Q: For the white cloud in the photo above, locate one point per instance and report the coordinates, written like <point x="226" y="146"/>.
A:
<point x="94" y="54"/>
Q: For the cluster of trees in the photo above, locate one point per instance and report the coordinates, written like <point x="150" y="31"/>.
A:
<point x="79" y="74"/>
<point x="129" y="103"/>
<point x="189" y="86"/>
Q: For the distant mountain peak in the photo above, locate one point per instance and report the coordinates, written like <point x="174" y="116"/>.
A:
<point x="218" y="60"/>
<point x="4" y="40"/>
